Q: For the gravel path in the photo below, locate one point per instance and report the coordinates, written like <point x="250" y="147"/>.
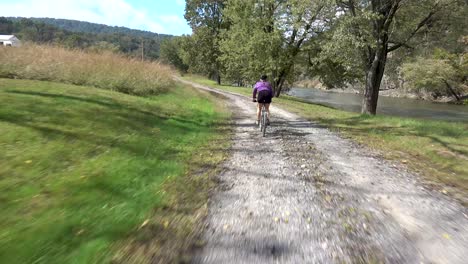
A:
<point x="303" y="194"/>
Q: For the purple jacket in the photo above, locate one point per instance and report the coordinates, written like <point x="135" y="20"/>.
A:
<point x="262" y="86"/>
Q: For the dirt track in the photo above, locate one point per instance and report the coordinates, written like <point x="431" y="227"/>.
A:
<point x="303" y="194"/>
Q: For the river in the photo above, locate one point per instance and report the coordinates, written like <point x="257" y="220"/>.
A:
<point x="387" y="105"/>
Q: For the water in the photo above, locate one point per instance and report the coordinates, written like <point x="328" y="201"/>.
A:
<point x="386" y="105"/>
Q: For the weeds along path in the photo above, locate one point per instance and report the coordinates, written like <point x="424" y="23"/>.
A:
<point x="304" y="194"/>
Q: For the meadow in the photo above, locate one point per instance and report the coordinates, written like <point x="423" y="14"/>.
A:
<point x="105" y="70"/>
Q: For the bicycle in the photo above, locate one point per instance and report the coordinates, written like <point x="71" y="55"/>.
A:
<point x="263" y="119"/>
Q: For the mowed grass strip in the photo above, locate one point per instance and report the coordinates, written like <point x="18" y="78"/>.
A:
<point x="437" y="150"/>
<point x="83" y="169"/>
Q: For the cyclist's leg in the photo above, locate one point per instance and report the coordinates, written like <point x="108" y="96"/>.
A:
<point x="267" y="106"/>
<point x="259" y="110"/>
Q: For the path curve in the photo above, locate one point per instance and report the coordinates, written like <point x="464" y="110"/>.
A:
<point x="321" y="198"/>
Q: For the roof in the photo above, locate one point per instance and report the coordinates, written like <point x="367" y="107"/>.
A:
<point x="7" y="37"/>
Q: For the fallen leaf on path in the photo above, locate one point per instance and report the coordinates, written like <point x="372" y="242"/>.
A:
<point x="446" y="236"/>
<point x="276" y="219"/>
<point x="144" y="223"/>
<point x="166" y="224"/>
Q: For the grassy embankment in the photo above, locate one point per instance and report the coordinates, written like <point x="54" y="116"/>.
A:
<point x="437" y="150"/>
<point x="92" y="176"/>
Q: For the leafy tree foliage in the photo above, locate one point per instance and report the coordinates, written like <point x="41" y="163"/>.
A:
<point x="173" y="51"/>
<point x="444" y="74"/>
<point x="207" y="21"/>
<point x="267" y="36"/>
<point x="6" y="26"/>
<point x="341" y="42"/>
<point x="368" y="31"/>
<point x="249" y="48"/>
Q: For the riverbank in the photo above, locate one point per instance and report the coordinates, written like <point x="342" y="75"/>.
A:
<point x="94" y="176"/>
<point x="398" y="107"/>
<point x="437" y="150"/>
<point x="391" y="93"/>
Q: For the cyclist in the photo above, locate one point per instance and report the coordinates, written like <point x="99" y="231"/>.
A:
<point x="265" y="93"/>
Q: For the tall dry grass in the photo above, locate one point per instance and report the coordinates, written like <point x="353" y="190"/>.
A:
<point x="103" y="70"/>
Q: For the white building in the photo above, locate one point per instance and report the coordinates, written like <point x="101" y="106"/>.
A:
<point x="9" y="40"/>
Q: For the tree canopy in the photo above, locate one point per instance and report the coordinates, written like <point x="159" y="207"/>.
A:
<point x="341" y="43"/>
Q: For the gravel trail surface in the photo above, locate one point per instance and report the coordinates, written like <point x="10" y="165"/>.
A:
<point x="303" y="194"/>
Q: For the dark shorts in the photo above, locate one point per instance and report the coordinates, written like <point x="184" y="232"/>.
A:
<point x="264" y="97"/>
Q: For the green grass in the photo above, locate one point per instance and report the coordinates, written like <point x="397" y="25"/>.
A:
<point x="436" y="149"/>
<point x="202" y="80"/>
<point x="82" y="168"/>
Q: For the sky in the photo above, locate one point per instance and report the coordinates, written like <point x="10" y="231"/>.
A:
<point x="159" y="16"/>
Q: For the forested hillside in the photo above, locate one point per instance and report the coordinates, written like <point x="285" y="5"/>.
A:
<point x="84" y="35"/>
<point x="94" y="28"/>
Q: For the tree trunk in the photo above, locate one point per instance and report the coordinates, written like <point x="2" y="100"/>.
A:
<point x="279" y="83"/>
<point x="282" y="76"/>
<point x="449" y="87"/>
<point x="216" y="76"/>
<point x="374" y="76"/>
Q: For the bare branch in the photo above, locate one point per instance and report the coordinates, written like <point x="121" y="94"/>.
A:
<point x="400" y="44"/>
<point x="391" y="15"/>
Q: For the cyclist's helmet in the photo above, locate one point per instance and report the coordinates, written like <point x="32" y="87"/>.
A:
<point x="264" y="77"/>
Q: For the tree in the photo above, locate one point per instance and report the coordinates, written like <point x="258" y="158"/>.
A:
<point x="6" y="26"/>
<point x="103" y="46"/>
<point x="336" y="65"/>
<point x="444" y="74"/>
<point x="172" y="52"/>
<point x="250" y="47"/>
<point x="374" y="29"/>
<point x="75" y="41"/>
<point x="207" y="21"/>
<point x="266" y="36"/>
